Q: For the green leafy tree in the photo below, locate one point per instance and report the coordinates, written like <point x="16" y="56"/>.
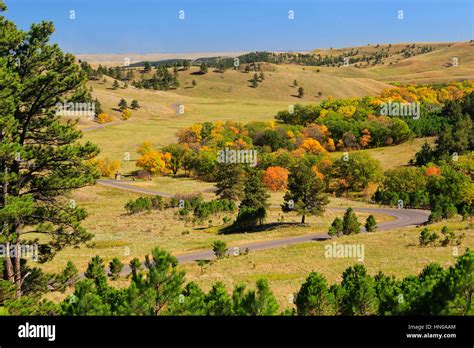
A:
<point x="350" y="224"/>
<point x="357" y="170"/>
<point x="116" y="85"/>
<point x="41" y="159"/>
<point x="147" y="67"/>
<point x="178" y="153"/>
<point x="305" y="193"/>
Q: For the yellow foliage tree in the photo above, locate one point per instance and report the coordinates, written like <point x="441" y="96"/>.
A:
<point x="126" y="114"/>
<point x="106" y="166"/>
<point x="312" y="146"/>
<point x="104" y="118"/>
<point x="154" y="161"/>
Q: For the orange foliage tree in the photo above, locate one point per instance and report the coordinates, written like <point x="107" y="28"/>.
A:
<point x="275" y="178"/>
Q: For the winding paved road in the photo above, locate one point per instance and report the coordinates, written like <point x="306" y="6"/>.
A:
<point x="403" y="217"/>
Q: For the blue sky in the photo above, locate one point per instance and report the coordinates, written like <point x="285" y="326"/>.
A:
<point x="153" y="26"/>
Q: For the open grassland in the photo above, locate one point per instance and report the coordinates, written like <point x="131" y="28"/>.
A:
<point x="393" y="156"/>
<point x="127" y="236"/>
<point x="393" y="252"/>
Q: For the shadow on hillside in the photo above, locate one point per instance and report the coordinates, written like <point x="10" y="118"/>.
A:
<point x="265" y="227"/>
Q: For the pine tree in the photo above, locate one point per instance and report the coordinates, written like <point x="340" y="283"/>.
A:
<point x="314" y="297"/>
<point x="134" y="105"/>
<point x="122" y="104"/>
<point x="360" y="296"/>
<point x="97" y="107"/>
<point x="203" y="68"/>
<point x="350" y="223"/>
<point x="116" y="85"/>
<point x="194" y="83"/>
<point x="300" y="92"/>
<point x="253" y="207"/>
<point x="305" y="191"/>
<point x="41" y="159"/>
<point x="229" y="181"/>
<point x="336" y="227"/>
<point x="370" y="224"/>
<point x="115" y="267"/>
<point x="147" y="67"/>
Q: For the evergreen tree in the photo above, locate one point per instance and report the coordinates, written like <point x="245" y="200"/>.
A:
<point x="229" y="181"/>
<point x="203" y="68"/>
<point x="300" y="92"/>
<point x="135" y="104"/>
<point x="190" y="302"/>
<point x="218" y="301"/>
<point x="219" y="248"/>
<point x="314" y="297"/>
<point x="115" y="268"/>
<point x="147" y="67"/>
<point x="194" y="83"/>
<point x="116" y="85"/>
<point x="186" y="64"/>
<point x="350" y="224"/>
<point x="122" y="104"/>
<point x="41" y="159"/>
<point x="254" y="83"/>
<point x="97" y="107"/>
<point x="254" y="302"/>
<point x="305" y="191"/>
<point x="155" y="290"/>
<point x="360" y="296"/>
<point x="336" y="227"/>
<point x="255" y="193"/>
<point x="370" y="224"/>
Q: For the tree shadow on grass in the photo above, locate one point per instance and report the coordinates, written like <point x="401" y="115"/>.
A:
<point x="265" y="227"/>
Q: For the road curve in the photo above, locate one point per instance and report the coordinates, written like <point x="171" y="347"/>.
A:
<point x="403" y="218"/>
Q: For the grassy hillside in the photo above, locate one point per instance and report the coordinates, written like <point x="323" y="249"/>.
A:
<point x="393" y="252"/>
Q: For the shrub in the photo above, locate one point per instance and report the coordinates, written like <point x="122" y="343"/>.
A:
<point x="427" y="237"/>
<point x="219" y="248"/>
<point x="126" y="114"/>
<point x="138" y="205"/>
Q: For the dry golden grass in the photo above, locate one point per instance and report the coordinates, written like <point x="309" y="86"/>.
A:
<point x="392" y="252"/>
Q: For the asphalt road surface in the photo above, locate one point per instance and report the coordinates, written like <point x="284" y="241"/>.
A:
<point x="403" y="218"/>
